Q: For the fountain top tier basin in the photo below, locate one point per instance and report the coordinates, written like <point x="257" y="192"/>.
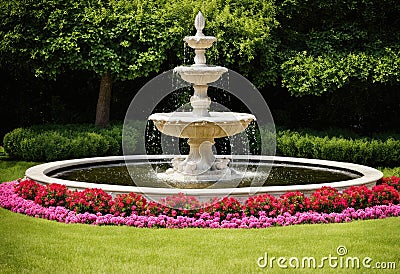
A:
<point x="187" y="125"/>
<point x="200" y="41"/>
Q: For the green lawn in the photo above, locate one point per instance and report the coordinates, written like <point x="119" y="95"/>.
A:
<point x="36" y="245"/>
<point x="11" y="170"/>
<point x="388" y="172"/>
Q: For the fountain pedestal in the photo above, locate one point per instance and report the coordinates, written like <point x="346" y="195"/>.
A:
<point x="200" y="164"/>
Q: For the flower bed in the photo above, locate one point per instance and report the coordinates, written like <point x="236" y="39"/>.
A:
<point x="94" y="206"/>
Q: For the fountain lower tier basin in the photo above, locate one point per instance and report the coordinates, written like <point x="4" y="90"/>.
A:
<point x="186" y="125"/>
<point x="353" y="175"/>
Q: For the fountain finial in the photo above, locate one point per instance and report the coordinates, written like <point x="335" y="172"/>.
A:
<point x="199" y="24"/>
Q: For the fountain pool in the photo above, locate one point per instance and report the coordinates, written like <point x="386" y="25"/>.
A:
<point x="353" y="174"/>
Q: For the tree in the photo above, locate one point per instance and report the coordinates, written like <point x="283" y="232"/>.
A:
<point x="118" y="40"/>
<point x="326" y="45"/>
<point x="245" y="30"/>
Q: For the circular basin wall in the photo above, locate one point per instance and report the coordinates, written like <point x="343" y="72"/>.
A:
<point x="367" y="176"/>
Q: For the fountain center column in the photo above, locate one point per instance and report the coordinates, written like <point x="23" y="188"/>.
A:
<point x="200" y="101"/>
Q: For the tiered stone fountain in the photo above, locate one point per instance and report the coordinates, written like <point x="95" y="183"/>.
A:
<point x="200" y="125"/>
<point x="201" y="167"/>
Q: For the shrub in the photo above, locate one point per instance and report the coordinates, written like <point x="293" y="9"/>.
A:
<point x="2" y="152"/>
<point x="13" y="142"/>
<point x="381" y="150"/>
<point x="59" y="142"/>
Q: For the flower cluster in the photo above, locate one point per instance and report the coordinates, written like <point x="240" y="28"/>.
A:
<point x="227" y="206"/>
<point x="383" y="194"/>
<point x="16" y="203"/>
<point x="96" y="201"/>
<point x="262" y="203"/>
<point x="51" y="195"/>
<point x="28" y="189"/>
<point x="328" y="199"/>
<point x="392" y="181"/>
<point x="294" y="202"/>
<point x="175" y="205"/>
<point x="126" y="204"/>
<point x="90" y="200"/>
<point x="357" y="196"/>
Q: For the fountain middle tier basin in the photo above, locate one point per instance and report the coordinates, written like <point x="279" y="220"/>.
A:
<point x="186" y="125"/>
<point x="200" y="74"/>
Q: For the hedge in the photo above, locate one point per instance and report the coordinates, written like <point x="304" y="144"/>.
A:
<point x="59" y="142"/>
<point x="378" y="150"/>
<point x="56" y="142"/>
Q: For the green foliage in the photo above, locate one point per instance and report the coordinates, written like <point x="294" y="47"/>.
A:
<point x="328" y="44"/>
<point x="56" y="142"/>
<point x="246" y="43"/>
<point x="126" y="38"/>
<point x="389" y="172"/>
<point x="306" y="74"/>
<point x="381" y="150"/>
<point x="307" y="47"/>
<point x="133" y="38"/>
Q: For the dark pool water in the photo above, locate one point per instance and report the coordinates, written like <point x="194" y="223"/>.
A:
<point x="279" y="175"/>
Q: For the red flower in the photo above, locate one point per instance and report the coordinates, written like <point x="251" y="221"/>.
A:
<point x="293" y="202"/>
<point x="328" y="199"/>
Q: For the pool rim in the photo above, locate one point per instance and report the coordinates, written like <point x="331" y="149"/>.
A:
<point x="369" y="177"/>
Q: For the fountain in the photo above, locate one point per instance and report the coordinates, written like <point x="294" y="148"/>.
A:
<point x="200" y="125"/>
<point x="201" y="173"/>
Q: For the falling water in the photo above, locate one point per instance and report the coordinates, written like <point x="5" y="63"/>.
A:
<point x="184" y="52"/>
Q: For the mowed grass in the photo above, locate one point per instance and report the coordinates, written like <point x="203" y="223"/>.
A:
<point x="12" y="170"/>
<point x="36" y="245"/>
<point x="388" y="172"/>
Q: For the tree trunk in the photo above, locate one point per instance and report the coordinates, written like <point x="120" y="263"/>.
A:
<point x="104" y="101"/>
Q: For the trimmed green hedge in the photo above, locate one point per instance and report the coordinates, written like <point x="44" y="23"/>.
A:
<point x="378" y="150"/>
<point x="59" y="142"/>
